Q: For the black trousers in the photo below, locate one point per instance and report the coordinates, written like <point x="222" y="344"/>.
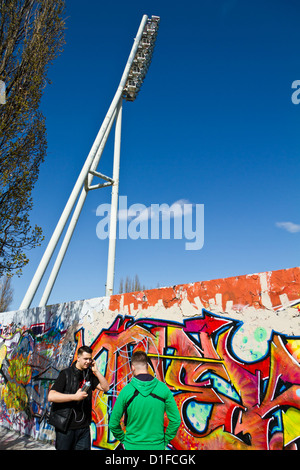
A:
<point x="73" y="439"/>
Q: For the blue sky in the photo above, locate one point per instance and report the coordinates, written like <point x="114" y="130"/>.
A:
<point x="213" y="124"/>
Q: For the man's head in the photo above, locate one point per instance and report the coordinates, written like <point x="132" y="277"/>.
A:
<point x="84" y="357"/>
<point x="139" y="363"/>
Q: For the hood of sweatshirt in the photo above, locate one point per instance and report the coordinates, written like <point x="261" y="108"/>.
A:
<point x="144" y="388"/>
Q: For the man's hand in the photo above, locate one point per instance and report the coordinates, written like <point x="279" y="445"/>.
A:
<point x="94" y="367"/>
<point x="80" y="395"/>
<point x="57" y="397"/>
<point x="103" y="384"/>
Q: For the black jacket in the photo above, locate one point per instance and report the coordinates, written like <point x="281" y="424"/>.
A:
<point x="60" y="414"/>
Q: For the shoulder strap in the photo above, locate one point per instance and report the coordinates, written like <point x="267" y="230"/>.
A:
<point x="132" y="398"/>
<point x="156" y="396"/>
<point x="127" y="404"/>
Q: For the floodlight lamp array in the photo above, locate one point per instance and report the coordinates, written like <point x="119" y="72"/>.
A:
<point x="142" y="60"/>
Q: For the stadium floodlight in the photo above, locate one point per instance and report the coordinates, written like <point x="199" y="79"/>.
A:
<point x="142" y="59"/>
<point x="133" y="76"/>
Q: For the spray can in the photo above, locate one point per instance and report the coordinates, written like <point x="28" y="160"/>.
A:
<point x="86" y="386"/>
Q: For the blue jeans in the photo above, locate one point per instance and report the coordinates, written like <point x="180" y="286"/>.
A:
<point x="73" y="439"/>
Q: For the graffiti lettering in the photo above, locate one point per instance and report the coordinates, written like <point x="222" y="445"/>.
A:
<point x="224" y="403"/>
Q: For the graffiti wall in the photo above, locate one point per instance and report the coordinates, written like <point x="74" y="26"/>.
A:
<point x="228" y="349"/>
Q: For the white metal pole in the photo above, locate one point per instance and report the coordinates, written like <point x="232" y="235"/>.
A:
<point x="114" y="205"/>
<point x="74" y="220"/>
<point x="78" y="185"/>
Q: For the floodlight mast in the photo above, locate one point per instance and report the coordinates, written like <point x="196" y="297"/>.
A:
<point x="134" y="73"/>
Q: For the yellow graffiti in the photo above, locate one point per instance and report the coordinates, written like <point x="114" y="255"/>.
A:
<point x="3" y="350"/>
<point x="103" y="438"/>
<point x="14" y="396"/>
<point x="291" y="425"/>
<point x="20" y="370"/>
<point x="14" y="393"/>
<point x="186" y="358"/>
<point x="293" y="347"/>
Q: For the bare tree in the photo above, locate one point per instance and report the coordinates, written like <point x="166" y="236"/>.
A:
<point x="31" y="37"/>
<point x="6" y="293"/>
<point x="130" y="285"/>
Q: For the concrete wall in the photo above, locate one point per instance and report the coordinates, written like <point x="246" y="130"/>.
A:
<point x="229" y="349"/>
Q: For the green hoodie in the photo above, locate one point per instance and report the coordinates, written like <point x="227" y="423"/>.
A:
<point x="145" y="423"/>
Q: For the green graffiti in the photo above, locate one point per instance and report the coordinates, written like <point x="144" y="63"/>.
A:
<point x="260" y="334"/>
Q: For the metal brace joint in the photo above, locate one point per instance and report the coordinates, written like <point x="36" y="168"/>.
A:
<point x="109" y="181"/>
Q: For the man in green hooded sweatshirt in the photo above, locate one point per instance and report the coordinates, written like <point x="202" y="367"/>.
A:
<point x="144" y="401"/>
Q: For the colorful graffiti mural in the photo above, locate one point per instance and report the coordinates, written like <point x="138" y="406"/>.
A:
<point x="224" y="403"/>
<point x="236" y="383"/>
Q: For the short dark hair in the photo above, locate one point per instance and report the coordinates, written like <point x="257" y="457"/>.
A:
<point x="139" y="357"/>
<point x="84" y="349"/>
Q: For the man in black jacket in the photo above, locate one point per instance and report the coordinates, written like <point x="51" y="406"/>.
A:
<point x="71" y="412"/>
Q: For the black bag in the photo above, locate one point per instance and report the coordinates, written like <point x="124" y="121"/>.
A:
<point x="60" y="418"/>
